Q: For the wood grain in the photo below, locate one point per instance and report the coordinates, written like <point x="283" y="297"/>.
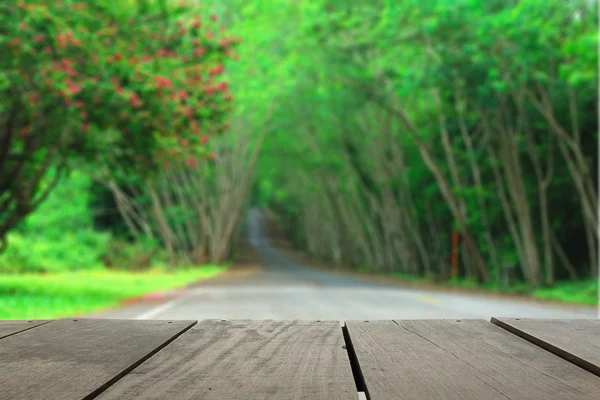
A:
<point x="577" y="341"/>
<point x="77" y="358"/>
<point x="462" y="360"/>
<point x="9" y="328"/>
<point x="245" y="360"/>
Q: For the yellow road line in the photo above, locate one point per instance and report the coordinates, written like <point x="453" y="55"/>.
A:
<point x="429" y="300"/>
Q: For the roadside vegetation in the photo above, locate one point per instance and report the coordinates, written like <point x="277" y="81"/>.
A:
<point x="447" y="141"/>
<point x="58" y="295"/>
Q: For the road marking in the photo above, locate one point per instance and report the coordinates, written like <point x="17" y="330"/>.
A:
<point x="430" y="300"/>
<point x="158" y="309"/>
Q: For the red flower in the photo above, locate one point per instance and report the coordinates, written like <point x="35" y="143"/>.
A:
<point x="38" y="38"/>
<point x="61" y="39"/>
<point x="75" y="89"/>
<point x="192" y="163"/>
<point x="135" y="101"/>
<point x="195" y="127"/>
<point x="163" y="82"/>
<point x="203" y="140"/>
<point x="218" y="70"/>
<point x="79" y="104"/>
<point x="23" y="132"/>
<point x="199" y="52"/>
<point x="222" y="86"/>
<point x="85" y="127"/>
<point x="118" y="57"/>
<point x="226" y="42"/>
<point x="214" y="18"/>
<point x="185" y="143"/>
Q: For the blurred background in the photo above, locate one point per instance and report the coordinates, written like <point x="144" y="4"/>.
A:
<point x="309" y="159"/>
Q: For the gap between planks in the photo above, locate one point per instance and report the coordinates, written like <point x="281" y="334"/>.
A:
<point x="555" y="347"/>
<point x="359" y="379"/>
<point x="27" y="325"/>
<point x="133" y="366"/>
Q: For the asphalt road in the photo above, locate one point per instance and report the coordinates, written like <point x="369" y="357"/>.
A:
<point x="282" y="290"/>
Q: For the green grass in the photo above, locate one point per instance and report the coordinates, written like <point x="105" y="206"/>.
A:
<point x="32" y="296"/>
<point x="581" y="292"/>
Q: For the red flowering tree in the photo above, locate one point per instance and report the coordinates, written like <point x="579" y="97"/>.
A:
<point x="84" y="80"/>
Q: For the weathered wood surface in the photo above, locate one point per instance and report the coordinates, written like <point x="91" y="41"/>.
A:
<point x="246" y="360"/>
<point x="577" y="341"/>
<point x="425" y="359"/>
<point x="462" y="360"/>
<point x="8" y="328"/>
<point x="76" y="358"/>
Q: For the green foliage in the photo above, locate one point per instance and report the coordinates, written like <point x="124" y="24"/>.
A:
<point x="356" y="61"/>
<point x="352" y="95"/>
<point x="122" y="84"/>
<point x="76" y="293"/>
<point x="60" y="235"/>
<point x="36" y="253"/>
<point x="583" y="292"/>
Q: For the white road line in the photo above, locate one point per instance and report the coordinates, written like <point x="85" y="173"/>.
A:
<point x="159" y="309"/>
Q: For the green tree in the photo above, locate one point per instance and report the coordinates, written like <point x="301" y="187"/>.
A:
<point x="125" y="83"/>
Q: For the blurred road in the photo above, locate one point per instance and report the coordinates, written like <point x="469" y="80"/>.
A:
<point x="282" y="289"/>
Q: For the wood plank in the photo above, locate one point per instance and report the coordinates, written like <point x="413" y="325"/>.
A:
<point x="9" y="328"/>
<point x="245" y="360"/>
<point x="466" y="360"/>
<point x="577" y="341"/>
<point x="77" y="358"/>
